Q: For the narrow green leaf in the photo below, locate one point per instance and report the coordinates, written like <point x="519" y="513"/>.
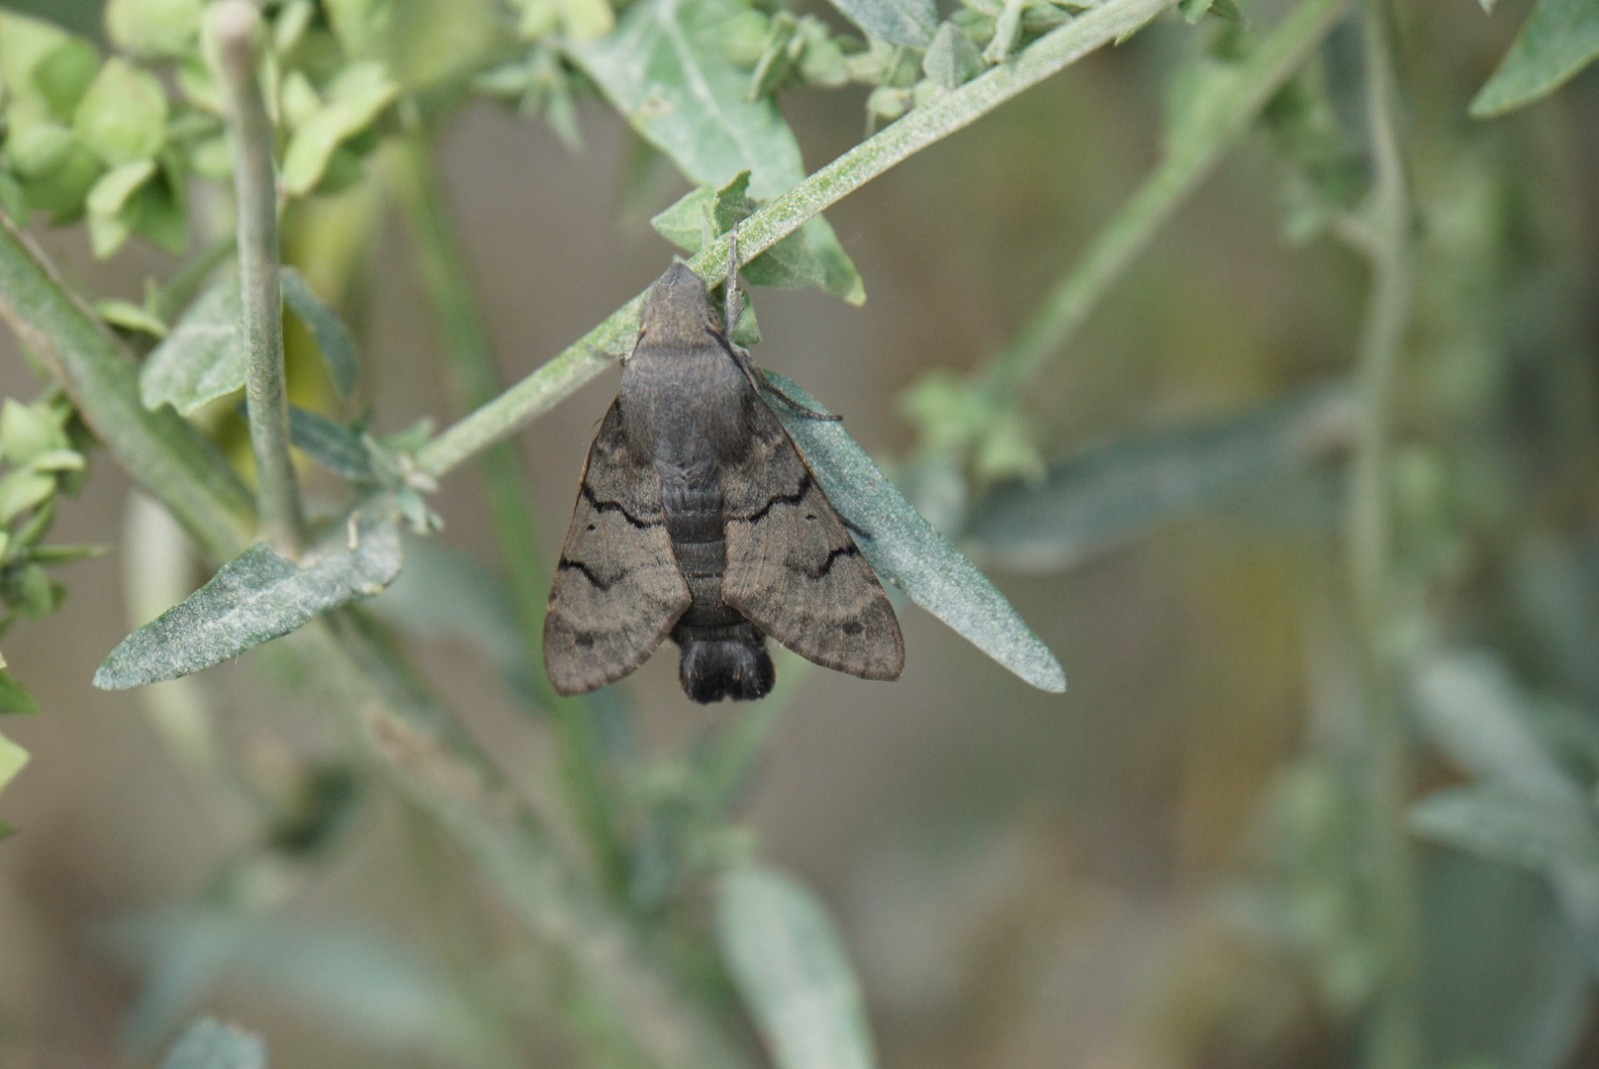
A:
<point x="14" y="700"/>
<point x="1543" y="832"/>
<point x="788" y="961"/>
<point x="905" y="550"/>
<point x="667" y="69"/>
<point x="898" y="22"/>
<point x="256" y="597"/>
<point x="130" y="316"/>
<point x="210" y="1044"/>
<point x="12" y="758"/>
<point x="1558" y="39"/>
<point x="22" y="490"/>
<point x="202" y="358"/>
<point x="114" y="188"/>
<point x="338" y="351"/>
<point x="1106" y="496"/>
<point x="332" y="445"/>
<point x="1469" y="705"/>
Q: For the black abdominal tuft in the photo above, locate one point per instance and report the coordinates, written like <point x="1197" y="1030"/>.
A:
<point x="721" y="668"/>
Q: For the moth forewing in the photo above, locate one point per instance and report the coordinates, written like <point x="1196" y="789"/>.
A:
<point x="617" y="589"/>
<point x="794" y="570"/>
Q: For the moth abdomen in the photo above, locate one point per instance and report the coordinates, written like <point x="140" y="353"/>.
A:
<point x="738" y="668"/>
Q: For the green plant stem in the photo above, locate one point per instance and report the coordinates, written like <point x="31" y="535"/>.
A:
<point x="1395" y="1040"/>
<point x="235" y="25"/>
<point x="1228" y="112"/>
<point x="590" y="354"/>
<point x="413" y="741"/>
<point x="476" y="382"/>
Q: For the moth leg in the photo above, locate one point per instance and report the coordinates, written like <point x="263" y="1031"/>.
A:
<point x="771" y="388"/>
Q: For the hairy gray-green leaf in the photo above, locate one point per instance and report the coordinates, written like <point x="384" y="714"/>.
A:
<point x="786" y="957"/>
<point x="338" y="351"/>
<point x="668" y="70"/>
<point x="1518" y="826"/>
<point x="1558" y="39"/>
<point x="332" y="445"/>
<point x="952" y="59"/>
<point x="904" y="549"/>
<point x="898" y="22"/>
<point x="210" y="1044"/>
<point x="1106" y="496"/>
<point x="202" y="358"/>
<point x="256" y="597"/>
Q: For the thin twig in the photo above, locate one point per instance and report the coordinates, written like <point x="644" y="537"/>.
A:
<point x="234" y="25"/>
<point x="1395" y="1038"/>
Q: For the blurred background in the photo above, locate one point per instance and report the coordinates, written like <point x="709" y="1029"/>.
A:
<point x="1171" y="865"/>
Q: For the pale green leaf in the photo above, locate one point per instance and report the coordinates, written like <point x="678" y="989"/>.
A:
<point x="122" y="118"/>
<point x="14" y="700"/>
<point x="130" y="316"/>
<point x="1558" y="39"/>
<point x="256" y="597"/>
<point x="952" y="59"/>
<point x="338" y="351"/>
<point x="788" y="961"/>
<point x="905" y="550"/>
<point x="203" y="358"/>
<point x="26" y="431"/>
<point x="22" y="490"/>
<point x="210" y="1044"/>
<point x="1544" y="832"/>
<point x="898" y="22"/>
<point x="12" y="758"/>
<point x="354" y="102"/>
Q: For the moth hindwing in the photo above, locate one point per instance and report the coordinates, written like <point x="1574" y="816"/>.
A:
<point x="697" y="518"/>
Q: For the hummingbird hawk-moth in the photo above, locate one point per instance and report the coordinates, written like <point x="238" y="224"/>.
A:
<point x="698" y="519"/>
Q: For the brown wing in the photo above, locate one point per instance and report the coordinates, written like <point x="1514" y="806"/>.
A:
<point x="792" y="567"/>
<point x="617" y="590"/>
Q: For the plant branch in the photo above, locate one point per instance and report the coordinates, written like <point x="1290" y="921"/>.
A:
<point x="234" y="25"/>
<point x="1228" y="111"/>
<point x="1395" y="1038"/>
<point x="475" y="381"/>
<point x="925" y="126"/>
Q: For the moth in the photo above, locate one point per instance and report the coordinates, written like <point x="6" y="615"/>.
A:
<point x="698" y="519"/>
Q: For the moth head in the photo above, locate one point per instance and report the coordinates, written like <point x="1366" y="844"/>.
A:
<point x="677" y="307"/>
